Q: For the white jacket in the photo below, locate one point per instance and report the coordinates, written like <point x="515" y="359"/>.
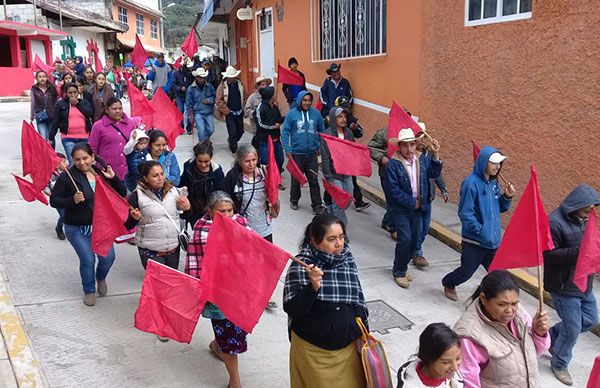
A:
<point x="155" y="231"/>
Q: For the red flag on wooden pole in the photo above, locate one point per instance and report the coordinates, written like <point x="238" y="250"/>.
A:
<point x="286" y="76"/>
<point x="295" y="172"/>
<point x="348" y="158"/>
<point x="528" y="233"/>
<point x="318" y="105"/>
<point x="190" y="45"/>
<point x="177" y="64"/>
<point x="140" y="106"/>
<point x="28" y="192"/>
<point x="139" y="54"/>
<point x="588" y="261"/>
<point x="594" y="380"/>
<point x="170" y="303"/>
<point x="476" y="150"/>
<point x="38" y="65"/>
<point x="167" y="117"/>
<point x="339" y="196"/>
<point x="39" y="159"/>
<point x="273" y="179"/>
<point x="225" y="280"/>
<point x="399" y="119"/>
<point x="110" y="213"/>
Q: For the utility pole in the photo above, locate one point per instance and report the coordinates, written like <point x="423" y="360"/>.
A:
<point x="34" y="14"/>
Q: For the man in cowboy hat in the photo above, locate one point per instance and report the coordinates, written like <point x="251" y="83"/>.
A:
<point x="407" y="188"/>
<point x="200" y="101"/>
<point x="182" y="79"/>
<point x="481" y="202"/>
<point x="333" y="87"/>
<point x="254" y="100"/>
<point x="230" y="106"/>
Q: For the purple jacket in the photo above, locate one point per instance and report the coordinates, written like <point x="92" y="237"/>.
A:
<point x="108" y="143"/>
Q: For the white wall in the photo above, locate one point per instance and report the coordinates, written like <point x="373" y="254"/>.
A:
<point x="80" y="37"/>
<point x="37" y="47"/>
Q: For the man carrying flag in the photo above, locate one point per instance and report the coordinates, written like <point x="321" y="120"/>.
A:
<point x="481" y="202"/>
<point x="291" y="90"/>
<point x="576" y="309"/>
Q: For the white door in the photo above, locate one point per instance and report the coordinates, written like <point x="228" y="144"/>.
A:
<point x="267" y="50"/>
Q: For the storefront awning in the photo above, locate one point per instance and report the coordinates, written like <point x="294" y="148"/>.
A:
<point x="23" y="29"/>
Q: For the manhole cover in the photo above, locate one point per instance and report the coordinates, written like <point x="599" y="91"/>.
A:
<point x="383" y="317"/>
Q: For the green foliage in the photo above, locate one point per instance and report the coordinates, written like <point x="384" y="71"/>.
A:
<point x="179" y="19"/>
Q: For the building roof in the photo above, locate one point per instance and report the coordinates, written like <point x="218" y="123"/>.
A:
<point x="81" y="18"/>
<point x="24" y="29"/>
<point x="142" y="7"/>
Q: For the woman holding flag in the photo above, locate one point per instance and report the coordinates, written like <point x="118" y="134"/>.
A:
<point x="229" y="340"/>
<point x="74" y="192"/>
<point x="322" y="304"/>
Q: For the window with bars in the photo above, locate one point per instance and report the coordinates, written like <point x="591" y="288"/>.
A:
<point x="139" y="24"/>
<point x="344" y="29"/>
<point x="123" y="15"/>
<point x="153" y="29"/>
<point x="478" y="12"/>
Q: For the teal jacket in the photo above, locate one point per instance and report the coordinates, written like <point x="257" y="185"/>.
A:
<point x="301" y="128"/>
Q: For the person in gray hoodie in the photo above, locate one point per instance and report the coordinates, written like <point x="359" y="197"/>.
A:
<point x="577" y="310"/>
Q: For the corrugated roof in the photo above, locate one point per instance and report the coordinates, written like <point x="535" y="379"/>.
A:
<point x="81" y="17"/>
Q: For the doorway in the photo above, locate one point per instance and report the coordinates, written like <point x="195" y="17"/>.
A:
<point x="266" y="46"/>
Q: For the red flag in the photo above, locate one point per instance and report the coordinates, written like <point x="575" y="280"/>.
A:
<point x="38" y="65"/>
<point x="588" y="261"/>
<point x="339" y="196"/>
<point x="166" y="117"/>
<point x="39" y="159"/>
<point x="140" y="106"/>
<point x="170" y="303"/>
<point x="110" y="213"/>
<point x="399" y="119"/>
<point x="476" y="150"/>
<point x="177" y="64"/>
<point x="226" y="268"/>
<point x="527" y="234"/>
<point x="295" y="171"/>
<point x="594" y="380"/>
<point x="348" y="158"/>
<point x="318" y="105"/>
<point x="190" y="45"/>
<point x="273" y="176"/>
<point x="28" y="191"/>
<point x="139" y="54"/>
<point x="286" y="76"/>
<point x="98" y="63"/>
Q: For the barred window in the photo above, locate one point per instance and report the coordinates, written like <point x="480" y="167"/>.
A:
<point x="123" y="15"/>
<point x="478" y="12"/>
<point x="139" y="24"/>
<point x="153" y="29"/>
<point x="348" y="29"/>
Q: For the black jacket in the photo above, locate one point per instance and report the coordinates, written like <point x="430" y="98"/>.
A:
<point x="327" y="325"/>
<point x="267" y="117"/>
<point x="61" y="115"/>
<point x="234" y="186"/>
<point x="200" y="186"/>
<point x="63" y="192"/>
<point x="567" y="232"/>
<point x="182" y="78"/>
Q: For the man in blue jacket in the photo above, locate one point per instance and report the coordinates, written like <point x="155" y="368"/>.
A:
<point x="481" y="202"/>
<point x="200" y="101"/>
<point x="407" y="189"/>
<point x="333" y="87"/>
<point x="301" y="141"/>
<point x="161" y="74"/>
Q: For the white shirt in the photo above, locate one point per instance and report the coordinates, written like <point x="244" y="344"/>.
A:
<point x="411" y="168"/>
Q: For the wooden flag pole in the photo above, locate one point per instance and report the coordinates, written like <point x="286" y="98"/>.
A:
<point x="298" y="261"/>
<point x="540" y="288"/>
<point x="72" y="180"/>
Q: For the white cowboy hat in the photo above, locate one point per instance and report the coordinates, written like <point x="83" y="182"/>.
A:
<point x="200" y="72"/>
<point x="231" y="72"/>
<point x="405" y="135"/>
<point x="261" y="78"/>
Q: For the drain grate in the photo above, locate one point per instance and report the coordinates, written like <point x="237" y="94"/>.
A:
<point x="383" y="317"/>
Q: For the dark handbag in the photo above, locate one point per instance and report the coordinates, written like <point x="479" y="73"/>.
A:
<point x="41" y="116"/>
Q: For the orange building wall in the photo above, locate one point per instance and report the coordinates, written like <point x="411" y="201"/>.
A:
<point x="526" y="87"/>
<point x="129" y="36"/>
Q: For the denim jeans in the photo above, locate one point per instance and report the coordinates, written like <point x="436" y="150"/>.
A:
<point x="235" y="129"/>
<point x="205" y="125"/>
<point x="68" y="145"/>
<point x="180" y="101"/>
<point x="263" y="151"/>
<point x="577" y="315"/>
<point x="407" y="223"/>
<point x="425" y="221"/>
<point x="89" y="272"/>
<point x="61" y="218"/>
<point x="43" y="128"/>
<point x="170" y="260"/>
<point x="306" y="163"/>
<point x="346" y="185"/>
<point x="471" y="258"/>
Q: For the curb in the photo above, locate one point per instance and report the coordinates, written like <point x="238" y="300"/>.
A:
<point x="526" y="281"/>
<point x="27" y="370"/>
<point x="15" y="99"/>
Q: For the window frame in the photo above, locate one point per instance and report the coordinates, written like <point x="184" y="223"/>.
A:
<point x="123" y="16"/>
<point x="497" y="19"/>
<point x="153" y="29"/>
<point x="139" y="21"/>
<point x="315" y="34"/>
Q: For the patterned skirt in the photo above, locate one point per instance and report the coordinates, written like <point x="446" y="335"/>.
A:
<point x="230" y="338"/>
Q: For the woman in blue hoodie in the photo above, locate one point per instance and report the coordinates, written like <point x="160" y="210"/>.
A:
<point x="481" y="202"/>
<point x="157" y="151"/>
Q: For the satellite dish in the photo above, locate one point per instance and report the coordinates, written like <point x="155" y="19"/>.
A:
<point x="245" y="13"/>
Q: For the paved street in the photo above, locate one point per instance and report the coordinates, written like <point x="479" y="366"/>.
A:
<point x="98" y="346"/>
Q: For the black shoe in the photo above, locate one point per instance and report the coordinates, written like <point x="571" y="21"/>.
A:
<point x="59" y="232"/>
<point x="233" y="149"/>
<point x="319" y="209"/>
<point x="189" y="131"/>
<point x="361" y="206"/>
<point x="294" y="205"/>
